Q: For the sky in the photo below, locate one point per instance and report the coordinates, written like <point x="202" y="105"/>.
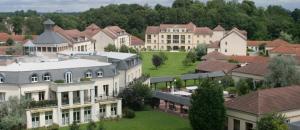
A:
<point x="82" y="5"/>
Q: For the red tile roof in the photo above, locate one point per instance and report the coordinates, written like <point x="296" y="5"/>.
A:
<point x="215" y="55"/>
<point x="277" y="43"/>
<point x="256" y="43"/>
<point x="152" y="30"/>
<point x="135" y="41"/>
<point x="204" y="30"/>
<point x="250" y="59"/>
<point x="219" y="28"/>
<point x="18" y="38"/>
<point x="71" y="34"/>
<point x="267" y="100"/>
<point x="287" y="49"/>
<point x="256" y="68"/>
<point x="113" y="31"/>
<point x="215" y="44"/>
<point x="92" y="30"/>
<point x="215" y="65"/>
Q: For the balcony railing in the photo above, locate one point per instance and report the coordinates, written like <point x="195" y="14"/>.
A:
<point x="103" y="98"/>
<point x="76" y="100"/>
<point x="65" y="101"/>
<point x="44" y="103"/>
<point x="87" y="99"/>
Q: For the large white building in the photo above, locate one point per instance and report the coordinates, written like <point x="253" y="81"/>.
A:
<point x="77" y="86"/>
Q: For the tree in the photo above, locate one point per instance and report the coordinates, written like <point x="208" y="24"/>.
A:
<point x="110" y="48"/>
<point x="10" y="42"/>
<point x="136" y="96"/>
<point x="200" y="51"/>
<point x="178" y="83"/>
<point x="282" y="72"/>
<point x="272" y="122"/>
<point x="187" y="62"/>
<point x="124" y="49"/>
<point x="163" y="56"/>
<point x="207" y="111"/>
<point x="242" y="87"/>
<point x="156" y="60"/>
<point x="285" y="36"/>
<point x="192" y="55"/>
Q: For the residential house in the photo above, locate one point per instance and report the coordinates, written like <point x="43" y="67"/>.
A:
<point x="113" y="35"/>
<point x="215" y="65"/>
<point x="93" y="31"/>
<point x="243" y="112"/>
<point x="137" y="43"/>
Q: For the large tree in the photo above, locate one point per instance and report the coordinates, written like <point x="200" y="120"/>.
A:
<point x="272" y="122"/>
<point x="282" y="72"/>
<point x="207" y="111"/>
<point x="157" y="60"/>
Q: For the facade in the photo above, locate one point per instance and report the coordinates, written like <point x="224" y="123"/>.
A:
<point x="137" y="43"/>
<point x="183" y="36"/>
<point x="113" y="35"/>
<point x="243" y="112"/>
<point x="55" y="39"/>
<point x="93" y="31"/>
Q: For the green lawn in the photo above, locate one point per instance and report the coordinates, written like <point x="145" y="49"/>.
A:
<point x="147" y="120"/>
<point x="172" y="67"/>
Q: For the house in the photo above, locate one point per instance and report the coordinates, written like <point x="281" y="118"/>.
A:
<point x="234" y="42"/>
<point x="137" y="43"/>
<point x="256" y="71"/>
<point x="93" y="31"/>
<point x="113" y="35"/>
<point x="214" y="66"/>
<point x="243" y="112"/>
<point x="55" y="39"/>
<point x="215" y="55"/>
<point x="291" y="50"/>
<point x="253" y="47"/>
<point x="16" y="38"/>
<point x="181" y="36"/>
<point x="275" y="43"/>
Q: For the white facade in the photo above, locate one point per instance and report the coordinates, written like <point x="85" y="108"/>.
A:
<point x="234" y="44"/>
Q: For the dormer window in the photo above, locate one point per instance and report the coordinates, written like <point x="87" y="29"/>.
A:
<point x="100" y="74"/>
<point x="34" y="78"/>
<point x="47" y="77"/>
<point x="88" y="74"/>
<point x="68" y="77"/>
<point x="2" y="79"/>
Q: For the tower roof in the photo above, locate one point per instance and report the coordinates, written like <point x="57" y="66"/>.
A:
<point x="49" y="22"/>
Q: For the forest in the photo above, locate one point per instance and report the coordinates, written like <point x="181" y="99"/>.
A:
<point x="261" y="23"/>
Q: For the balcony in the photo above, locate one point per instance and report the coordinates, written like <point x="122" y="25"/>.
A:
<point x="65" y="102"/>
<point x="105" y="98"/>
<point x="76" y="100"/>
<point x="40" y="104"/>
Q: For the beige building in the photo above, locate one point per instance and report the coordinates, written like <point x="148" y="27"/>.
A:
<point x="243" y="112"/>
<point x="187" y="36"/>
<point x="112" y="35"/>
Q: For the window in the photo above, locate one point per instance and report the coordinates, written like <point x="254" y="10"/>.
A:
<point x="88" y="74"/>
<point x="149" y="38"/>
<point x="2" y="96"/>
<point x="189" y="36"/>
<point x="175" y="38"/>
<point x="65" y="118"/>
<point x="76" y="115"/>
<point x="102" y="110"/>
<point x="35" y="120"/>
<point x="162" y="36"/>
<point x="68" y="77"/>
<point x="96" y="91"/>
<point x="87" y="114"/>
<point x="46" y="77"/>
<point x="99" y="74"/>
<point x="225" y="50"/>
<point x="114" y="109"/>
<point x="28" y="96"/>
<point x="41" y="96"/>
<point x="236" y="124"/>
<point x="226" y="43"/>
<point x="105" y="90"/>
<point x="48" y="118"/>
<point x="169" y="39"/>
<point x="34" y="78"/>
<point x="1" y="78"/>
<point x="182" y="39"/>
<point x="249" y="126"/>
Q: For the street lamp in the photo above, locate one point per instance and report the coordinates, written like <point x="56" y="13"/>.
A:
<point x="172" y="90"/>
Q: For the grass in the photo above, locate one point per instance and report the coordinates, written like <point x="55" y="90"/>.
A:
<point x="147" y="120"/>
<point x="172" y="67"/>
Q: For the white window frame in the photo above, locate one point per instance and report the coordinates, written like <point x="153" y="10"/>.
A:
<point x="48" y="118"/>
<point x="114" y="108"/>
<point x="88" y="74"/>
<point x="102" y="110"/>
<point x="47" y="77"/>
<point x="35" y="119"/>
<point x="100" y="74"/>
<point x="2" y="79"/>
<point x="87" y="114"/>
<point x="34" y="78"/>
<point x="68" y="77"/>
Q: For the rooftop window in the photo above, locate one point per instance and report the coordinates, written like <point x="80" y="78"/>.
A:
<point x="34" y="78"/>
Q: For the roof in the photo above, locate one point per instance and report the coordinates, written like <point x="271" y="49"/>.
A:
<point x="256" y="43"/>
<point x="173" y="98"/>
<point x="258" y="69"/>
<point x="250" y="59"/>
<point x="113" y="31"/>
<point x="215" y="55"/>
<point x="29" y="43"/>
<point x="136" y="41"/>
<point x="215" y="44"/>
<point x="72" y="35"/>
<point x="5" y="36"/>
<point x="189" y="26"/>
<point x="116" y="55"/>
<point x="73" y="63"/>
<point x="50" y="37"/>
<point x="92" y="30"/>
<point x="287" y="49"/>
<point x="215" y="65"/>
<point x="204" y="31"/>
<point x="219" y="28"/>
<point x="49" y="21"/>
<point x="241" y="33"/>
<point x="267" y="101"/>
<point x="152" y="30"/>
<point x="277" y="43"/>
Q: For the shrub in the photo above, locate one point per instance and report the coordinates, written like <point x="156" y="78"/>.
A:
<point x="59" y="81"/>
<point x="91" y="125"/>
<point x="163" y="56"/>
<point x="85" y="79"/>
<point x="129" y="113"/>
<point x="100" y="126"/>
<point x="74" y="126"/>
<point x="53" y="127"/>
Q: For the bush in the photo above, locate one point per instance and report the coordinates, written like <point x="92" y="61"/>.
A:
<point x="192" y="56"/>
<point x="101" y="126"/>
<point x="53" y="127"/>
<point x="129" y="113"/>
<point x="231" y="90"/>
<point x="110" y="48"/>
<point x="163" y="56"/>
<point x="85" y="79"/>
<point x="74" y="126"/>
<point x="187" y="62"/>
<point x="157" y="60"/>
<point x="91" y="125"/>
<point x="59" y="81"/>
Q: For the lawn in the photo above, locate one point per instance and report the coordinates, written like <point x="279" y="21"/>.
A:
<point x="147" y="120"/>
<point x="172" y="67"/>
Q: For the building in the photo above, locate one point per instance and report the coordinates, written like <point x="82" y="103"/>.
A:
<point x="255" y="71"/>
<point x="184" y="36"/>
<point x="93" y="31"/>
<point x="233" y="42"/>
<point x="16" y="38"/>
<point x="112" y="35"/>
<point x="243" y="112"/>
<point x="137" y="43"/>
<point x="215" y="65"/>
<point x="55" y="39"/>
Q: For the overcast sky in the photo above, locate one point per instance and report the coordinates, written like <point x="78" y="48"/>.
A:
<point x="82" y="5"/>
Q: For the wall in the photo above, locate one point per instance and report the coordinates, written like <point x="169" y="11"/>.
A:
<point x="236" y="45"/>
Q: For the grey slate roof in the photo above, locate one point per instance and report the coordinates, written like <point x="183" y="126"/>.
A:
<point x="173" y="98"/>
<point x="50" y="37"/>
<point x="161" y="79"/>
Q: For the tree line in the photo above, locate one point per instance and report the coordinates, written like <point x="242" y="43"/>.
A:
<point x="261" y="23"/>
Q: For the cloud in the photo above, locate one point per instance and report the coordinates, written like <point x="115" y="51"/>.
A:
<point x="82" y="5"/>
